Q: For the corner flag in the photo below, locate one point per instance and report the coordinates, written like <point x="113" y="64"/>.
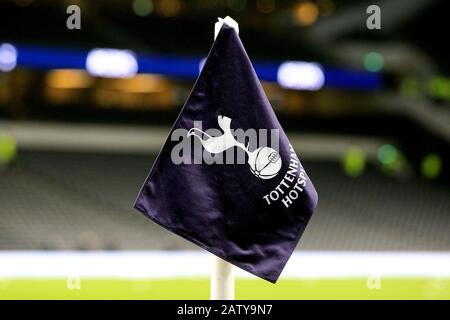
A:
<point x="227" y="178"/>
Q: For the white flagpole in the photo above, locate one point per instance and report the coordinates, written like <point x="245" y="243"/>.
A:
<point x="222" y="272"/>
<point x="222" y="280"/>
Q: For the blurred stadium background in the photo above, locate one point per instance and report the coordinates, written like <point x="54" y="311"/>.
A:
<point x="367" y="111"/>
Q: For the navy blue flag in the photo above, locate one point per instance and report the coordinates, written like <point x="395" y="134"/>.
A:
<point x="227" y="178"/>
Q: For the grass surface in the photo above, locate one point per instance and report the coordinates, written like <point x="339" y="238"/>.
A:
<point x="390" y="288"/>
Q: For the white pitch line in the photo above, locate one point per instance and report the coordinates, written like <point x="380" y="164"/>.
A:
<point x="163" y="264"/>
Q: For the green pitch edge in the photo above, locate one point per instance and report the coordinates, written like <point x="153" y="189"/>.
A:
<point x="357" y="288"/>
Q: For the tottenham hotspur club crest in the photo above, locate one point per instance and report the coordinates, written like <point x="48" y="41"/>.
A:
<point x="264" y="162"/>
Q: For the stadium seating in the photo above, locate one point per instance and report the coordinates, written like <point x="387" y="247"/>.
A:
<point x="81" y="201"/>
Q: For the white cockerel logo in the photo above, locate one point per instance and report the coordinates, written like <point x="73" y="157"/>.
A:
<point x="264" y="162"/>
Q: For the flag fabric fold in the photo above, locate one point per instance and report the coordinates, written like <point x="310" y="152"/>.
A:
<point x="252" y="212"/>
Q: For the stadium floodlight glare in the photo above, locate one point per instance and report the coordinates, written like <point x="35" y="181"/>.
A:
<point x="111" y="63"/>
<point x="8" y="57"/>
<point x="300" y="75"/>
